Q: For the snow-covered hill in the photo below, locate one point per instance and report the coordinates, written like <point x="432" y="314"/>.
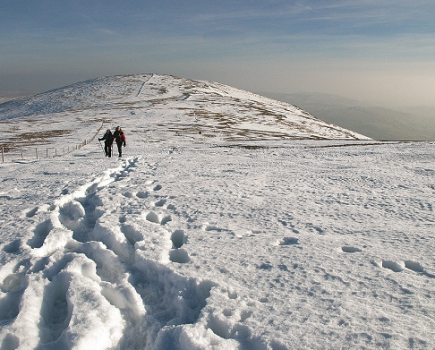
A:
<point x="211" y="240"/>
<point x="176" y="106"/>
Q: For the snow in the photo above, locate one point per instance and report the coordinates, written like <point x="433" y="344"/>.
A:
<point x="212" y="240"/>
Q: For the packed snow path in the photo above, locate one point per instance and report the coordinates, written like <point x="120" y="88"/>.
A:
<point x="93" y="277"/>
<point x="199" y="247"/>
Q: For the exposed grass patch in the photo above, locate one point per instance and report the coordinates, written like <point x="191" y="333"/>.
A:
<point x="32" y="138"/>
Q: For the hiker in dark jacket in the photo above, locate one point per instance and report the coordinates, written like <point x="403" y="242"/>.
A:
<point x="120" y="139"/>
<point x="108" y="141"/>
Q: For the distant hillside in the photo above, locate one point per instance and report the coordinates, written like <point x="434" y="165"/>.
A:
<point x="376" y="122"/>
<point x="184" y="107"/>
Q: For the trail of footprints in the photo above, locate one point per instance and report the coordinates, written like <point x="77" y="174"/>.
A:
<point x="72" y="245"/>
<point x="79" y="260"/>
<point x="395" y="266"/>
<point x="178" y="237"/>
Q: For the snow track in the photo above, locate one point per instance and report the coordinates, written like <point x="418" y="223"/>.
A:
<point x="95" y="273"/>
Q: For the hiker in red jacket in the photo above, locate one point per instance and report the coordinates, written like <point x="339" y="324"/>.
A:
<point x="120" y="139"/>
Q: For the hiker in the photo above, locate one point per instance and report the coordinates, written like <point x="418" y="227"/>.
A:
<point x="120" y="139"/>
<point x="108" y="141"/>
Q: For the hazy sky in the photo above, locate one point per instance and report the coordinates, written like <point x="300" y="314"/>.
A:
<point x="366" y="49"/>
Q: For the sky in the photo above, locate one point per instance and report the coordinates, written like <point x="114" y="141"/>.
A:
<point x="370" y="50"/>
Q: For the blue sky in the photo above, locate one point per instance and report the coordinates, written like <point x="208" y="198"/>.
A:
<point x="369" y="50"/>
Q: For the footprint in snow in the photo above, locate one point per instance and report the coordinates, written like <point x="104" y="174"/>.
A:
<point x="10" y="341"/>
<point x="128" y="167"/>
<point x="349" y="249"/>
<point x="227" y="330"/>
<point x="127" y="194"/>
<point x="178" y="255"/>
<point x="131" y="234"/>
<point x="12" y="247"/>
<point x="178" y="238"/>
<point x="160" y="203"/>
<point x="80" y="216"/>
<point x="13" y="287"/>
<point x="40" y="233"/>
<point x="393" y="266"/>
<point x="283" y="267"/>
<point x="10" y="308"/>
<point x="232" y="295"/>
<point x="229" y="323"/>
<point x="227" y="312"/>
<point x="109" y="266"/>
<point x="154" y="218"/>
<point x="265" y="266"/>
<point x="165" y="220"/>
<point x="317" y="229"/>
<point x="142" y="194"/>
<point x="13" y="282"/>
<point x="212" y="227"/>
<point x="245" y="314"/>
<point x="32" y="213"/>
<point x="289" y="241"/>
<point x="417" y="267"/>
<point x="414" y="266"/>
<point x="55" y="311"/>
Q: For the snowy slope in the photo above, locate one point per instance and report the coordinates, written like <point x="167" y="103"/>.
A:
<point x="196" y="241"/>
<point x="194" y="109"/>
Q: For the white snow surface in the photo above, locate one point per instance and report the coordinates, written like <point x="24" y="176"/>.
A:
<point x="211" y="232"/>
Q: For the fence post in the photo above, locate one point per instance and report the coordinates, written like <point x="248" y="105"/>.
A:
<point x="37" y="153"/>
<point x="3" y="154"/>
<point x="22" y="157"/>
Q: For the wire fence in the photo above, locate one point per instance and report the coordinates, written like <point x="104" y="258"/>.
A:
<point x="27" y="153"/>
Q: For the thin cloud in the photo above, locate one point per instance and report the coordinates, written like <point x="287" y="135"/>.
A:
<point x="337" y="17"/>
